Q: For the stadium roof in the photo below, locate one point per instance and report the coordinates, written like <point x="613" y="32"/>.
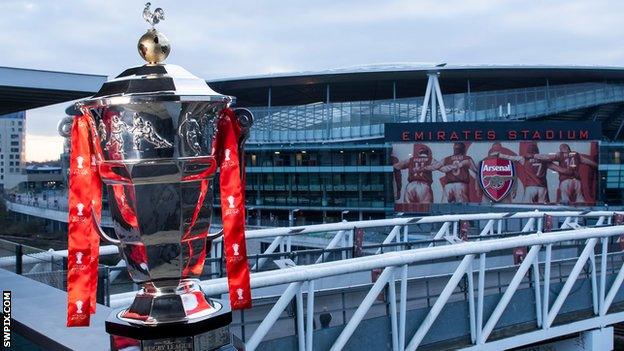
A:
<point x="375" y="82"/>
<point x="22" y="89"/>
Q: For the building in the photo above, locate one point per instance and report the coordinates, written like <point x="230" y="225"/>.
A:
<point x="23" y="89"/>
<point x="12" y="149"/>
<point x="317" y="146"/>
<point x="42" y="177"/>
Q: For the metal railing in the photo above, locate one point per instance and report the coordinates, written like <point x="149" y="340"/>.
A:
<point x="43" y="266"/>
<point x="386" y="234"/>
<point x="387" y="231"/>
<point x="437" y="239"/>
<point x="446" y="233"/>
<point x="395" y="266"/>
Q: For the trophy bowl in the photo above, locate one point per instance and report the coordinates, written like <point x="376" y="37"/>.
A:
<point x="156" y="158"/>
<point x="152" y="136"/>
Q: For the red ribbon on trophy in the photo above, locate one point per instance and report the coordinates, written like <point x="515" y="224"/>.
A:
<point x="85" y="194"/>
<point x="85" y="197"/>
<point x="232" y="191"/>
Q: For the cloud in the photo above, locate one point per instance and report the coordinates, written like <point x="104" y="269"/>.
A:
<point x="43" y="147"/>
<point x="237" y="38"/>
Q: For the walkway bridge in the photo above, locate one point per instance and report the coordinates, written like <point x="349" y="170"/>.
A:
<point x="430" y="289"/>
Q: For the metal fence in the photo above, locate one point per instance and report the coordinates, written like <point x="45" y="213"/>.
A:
<point x="34" y="263"/>
<point x="408" y="243"/>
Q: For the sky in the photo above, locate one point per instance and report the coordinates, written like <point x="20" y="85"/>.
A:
<point x="216" y="39"/>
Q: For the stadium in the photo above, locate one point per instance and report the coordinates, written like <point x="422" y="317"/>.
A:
<point x="318" y="150"/>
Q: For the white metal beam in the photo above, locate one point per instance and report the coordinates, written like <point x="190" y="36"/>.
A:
<point x="508" y="294"/>
<point x="272" y="316"/>
<point x="364" y="306"/>
<point x="425" y="105"/>
<point x="338" y="238"/>
<point x="440" y="302"/>
<point x="567" y="286"/>
<point x="438" y="91"/>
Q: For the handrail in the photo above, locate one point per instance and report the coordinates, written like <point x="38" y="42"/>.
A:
<point x="331" y="227"/>
<point x="346" y="225"/>
<point x="394" y="259"/>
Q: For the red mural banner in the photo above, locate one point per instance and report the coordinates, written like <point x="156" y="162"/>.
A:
<point x="507" y="172"/>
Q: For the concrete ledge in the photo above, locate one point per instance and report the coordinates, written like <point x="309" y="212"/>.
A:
<point x="39" y="312"/>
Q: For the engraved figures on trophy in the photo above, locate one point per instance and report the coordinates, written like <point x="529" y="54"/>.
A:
<point x="190" y="132"/>
<point x="196" y="133"/>
<point x="115" y="142"/>
<point x="102" y="130"/>
<point x="144" y="130"/>
<point x="141" y="130"/>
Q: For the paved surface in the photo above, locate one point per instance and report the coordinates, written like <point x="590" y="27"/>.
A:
<point x="39" y="312"/>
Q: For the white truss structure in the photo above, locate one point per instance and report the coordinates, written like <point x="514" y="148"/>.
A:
<point x="301" y="279"/>
<point x="433" y="98"/>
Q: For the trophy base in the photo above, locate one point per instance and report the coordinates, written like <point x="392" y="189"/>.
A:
<point x="206" y="334"/>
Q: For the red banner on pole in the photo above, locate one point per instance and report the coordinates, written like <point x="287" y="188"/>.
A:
<point x="519" y="253"/>
<point x="618" y="219"/>
<point x="375" y="273"/>
<point x="548" y="223"/>
<point x="358" y="242"/>
<point x="464" y="229"/>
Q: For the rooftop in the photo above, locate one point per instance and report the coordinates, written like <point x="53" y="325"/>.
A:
<point x="400" y="80"/>
<point x="22" y="89"/>
<point x="415" y="66"/>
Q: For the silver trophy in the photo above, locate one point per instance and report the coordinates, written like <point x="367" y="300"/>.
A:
<point x="156" y="126"/>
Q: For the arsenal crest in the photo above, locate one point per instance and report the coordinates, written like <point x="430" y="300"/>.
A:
<point x="497" y="176"/>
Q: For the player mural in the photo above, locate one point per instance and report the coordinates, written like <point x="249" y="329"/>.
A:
<point x="499" y="170"/>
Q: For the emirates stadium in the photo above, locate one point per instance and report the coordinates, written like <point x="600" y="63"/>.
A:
<point x="319" y="151"/>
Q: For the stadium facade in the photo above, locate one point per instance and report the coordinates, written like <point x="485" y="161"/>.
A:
<point x="317" y="147"/>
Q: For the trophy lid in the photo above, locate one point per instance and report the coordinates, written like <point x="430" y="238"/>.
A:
<point x="154" y="81"/>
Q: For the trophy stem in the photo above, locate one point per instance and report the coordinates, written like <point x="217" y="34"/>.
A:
<point x="173" y="317"/>
<point x="169" y="304"/>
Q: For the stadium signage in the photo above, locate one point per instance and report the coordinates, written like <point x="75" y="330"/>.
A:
<point x="539" y="163"/>
<point x="489" y="131"/>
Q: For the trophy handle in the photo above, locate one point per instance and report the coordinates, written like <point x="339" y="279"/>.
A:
<point x="215" y="235"/>
<point x="102" y="234"/>
<point x="245" y="121"/>
<point x="64" y="126"/>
